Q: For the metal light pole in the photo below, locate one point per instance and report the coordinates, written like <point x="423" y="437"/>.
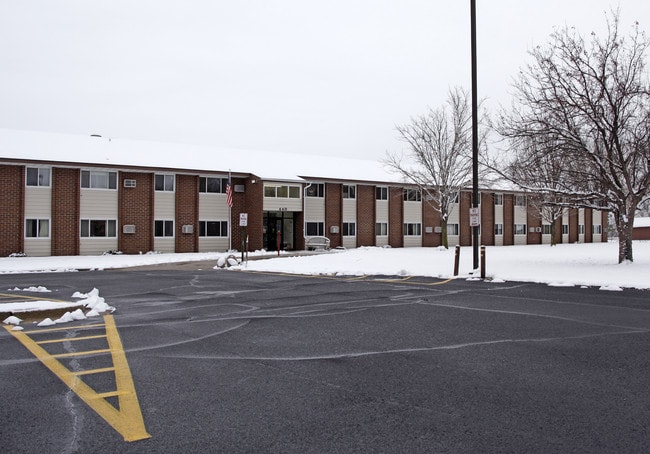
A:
<point x="475" y="236"/>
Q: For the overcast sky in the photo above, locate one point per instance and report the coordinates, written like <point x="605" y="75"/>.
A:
<point x="330" y="77"/>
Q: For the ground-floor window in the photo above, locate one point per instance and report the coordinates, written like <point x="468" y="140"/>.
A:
<point x="597" y="229"/>
<point x="453" y="229"/>
<point x="213" y="228"/>
<point x="91" y="228"/>
<point x="498" y="229"/>
<point x="314" y="228"/>
<point x="412" y="229"/>
<point x="163" y="228"/>
<point x="381" y="229"/>
<point x="581" y="229"/>
<point x="520" y="229"/>
<point x="37" y="228"/>
<point x="546" y="229"/>
<point x="349" y="229"/>
<point x="565" y="229"/>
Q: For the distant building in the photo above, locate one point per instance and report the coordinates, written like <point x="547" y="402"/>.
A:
<point x="641" y="229"/>
<point x="84" y="195"/>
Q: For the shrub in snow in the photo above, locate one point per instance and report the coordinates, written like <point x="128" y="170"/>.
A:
<point x="12" y="320"/>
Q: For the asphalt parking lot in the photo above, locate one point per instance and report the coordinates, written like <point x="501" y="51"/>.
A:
<point x="227" y="361"/>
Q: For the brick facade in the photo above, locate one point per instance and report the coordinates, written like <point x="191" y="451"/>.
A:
<point x="66" y="194"/>
<point x="187" y="212"/>
<point x="508" y="219"/>
<point x="136" y="208"/>
<point x="252" y="201"/>
<point x="430" y="218"/>
<point x="395" y="216"/>
<point x="487" y="219"/>
<point x="366" y="208"/>
<point x="334" y="212"/>
<point x="534" y="223"/>
<point x="465" y="238"/>
<point x="573" y="225"/>
<point x="12" y="214"/>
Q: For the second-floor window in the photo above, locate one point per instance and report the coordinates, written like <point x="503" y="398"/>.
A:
<point x="381" y="193"/>
<point x="96" y="179"/>
<point x="38" y="176"/>
<point x="349" y="191"/>
<point x="412" y="195"/>
<point x="213" y="185"/>
<point x="315" y="190"/>
<point x="164" y="182"/>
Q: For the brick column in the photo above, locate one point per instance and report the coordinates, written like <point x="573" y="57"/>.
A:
<point x="66" y="196"/>
<point x="135" y="207"/>
<point x="396" y="216"/>
<point x="12" y="213"/>
<point x="366" y="216"/>
<point x="487" y="219"/>
<point x="334" y="212"/>
<point x="187" y="212"/>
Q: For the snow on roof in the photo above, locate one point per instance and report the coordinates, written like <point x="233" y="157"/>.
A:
<point x="96" y="150"/>
<point x="642" y="222"/>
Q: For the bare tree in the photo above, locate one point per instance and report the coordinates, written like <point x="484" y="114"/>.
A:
<point x="439" y="155"/>
<point x="587" y="105"/>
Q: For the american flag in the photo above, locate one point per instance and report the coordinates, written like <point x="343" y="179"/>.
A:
<point x="229" y="192"/>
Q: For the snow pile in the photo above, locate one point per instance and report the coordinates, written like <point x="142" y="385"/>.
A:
<point x="91" y="300"/>
<point x="39" y="289"/>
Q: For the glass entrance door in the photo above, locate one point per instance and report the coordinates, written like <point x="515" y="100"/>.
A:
<point x="278" y="226"/>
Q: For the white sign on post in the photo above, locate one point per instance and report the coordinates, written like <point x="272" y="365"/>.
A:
<point x="243" y="219"/>
<point x="474" y="220"/>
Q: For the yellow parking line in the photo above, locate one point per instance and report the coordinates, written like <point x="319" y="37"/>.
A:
<point x="128" y="419"/>
<point x="93" y="371"/>
<point x="52" y="330"/>
<point x="67" y="339"/>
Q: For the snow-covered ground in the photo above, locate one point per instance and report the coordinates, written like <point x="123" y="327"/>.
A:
<point x="564" y="264"/>
<point x="561" y="265"/>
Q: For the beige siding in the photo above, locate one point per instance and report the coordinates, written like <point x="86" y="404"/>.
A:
<point x="314" y="209"/>
<point x="412" y="241"/>
<point x="213" y="206"/>
<point x="412" y="212"/>
<point x="382" y="210"/>
<point x="98" y="204"/>
<point x="521" y="217"/>
<point x="38" y="202"/>
<point x="349" y="210"/>
<point x="454" y="218"/>
<point x="596" y="219"/>
<point x="166" y="244"/>
<point x="164" y="206"/>
<point x="282" y="204"/>
<point x="349" y="242"/>
<point x="38" y="247"/>
<point x="220" y="244"/>
<point x="97" y="246"/>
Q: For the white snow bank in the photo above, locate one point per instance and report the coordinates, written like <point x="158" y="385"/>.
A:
<point x="39" y="289"/>
<point x="564" y="264"/>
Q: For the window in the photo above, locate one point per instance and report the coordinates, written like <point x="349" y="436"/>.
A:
<point x="455" y="198"/>
<point x="315" y="190"/>
<point x="520" y="229"/>
<point x="581" y="229"/>
<point x="212" y="185"/>
<point x="412" y="229"/>
<point x="98" y="228"/>
<point x="349" y="229"/>
<point x="349" y="191"/>
<point x="597" y="229"/>
<point x="163" y="228"/>
<point x="546" y="229"/>
<point x="412" y="195"/>
<point x="283" y="192"/>
<point x="453" y="229"/>
<point x="565" y="229"/>
<point x="498" y="199"/>
<point x="213" y="228"/>
<point x="381" y="193"/>
<point x="93" y="179"/>
<point x="38" y="176"/>
<point x="498" y="229"/>
<point x="381" y="229"/>
<point x="37" y="228"/>
<point x="164" y="182"/>
<point x="520" y="200"/>
<point x="314" y="228"/>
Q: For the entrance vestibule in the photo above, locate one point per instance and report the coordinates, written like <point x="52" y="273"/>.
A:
<point x="282" y="223"/>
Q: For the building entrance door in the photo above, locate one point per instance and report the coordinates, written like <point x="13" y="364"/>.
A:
<point x="279" y="226"/>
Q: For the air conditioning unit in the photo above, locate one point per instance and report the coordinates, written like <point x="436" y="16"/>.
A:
<point x="129" y="183"/>
<point x="538" y="229"/>
<point x="188" y="228"/>
<point x="334" y="229"/>
<point x="128" y="228"/>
